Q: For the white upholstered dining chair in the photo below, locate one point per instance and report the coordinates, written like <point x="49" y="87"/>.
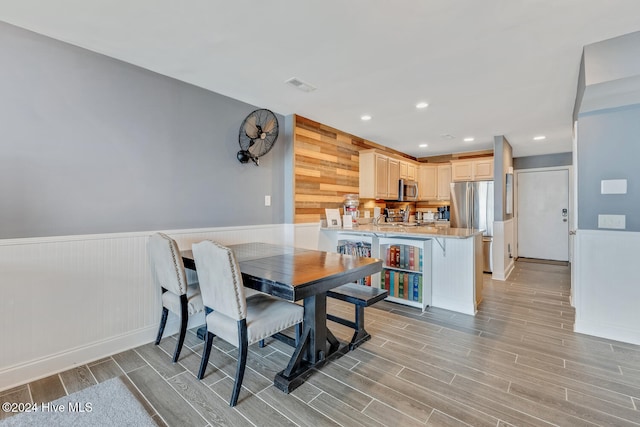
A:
<point x="167" y="270"/>
<point x="238" y="320"/>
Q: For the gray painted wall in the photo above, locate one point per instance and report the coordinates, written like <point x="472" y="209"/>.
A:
<point x="543" y="161"/>
<point x="90" y="144"/>
<point x="608" y="148"/>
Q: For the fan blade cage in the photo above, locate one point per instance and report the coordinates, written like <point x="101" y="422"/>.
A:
<point x="258" y="133"/>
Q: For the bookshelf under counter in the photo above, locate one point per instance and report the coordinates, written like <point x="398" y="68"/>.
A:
<point x="451" y="261"/>
<point x="406" y="270"/>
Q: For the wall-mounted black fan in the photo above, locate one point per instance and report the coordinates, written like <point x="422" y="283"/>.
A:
<point x="258" y="133"/>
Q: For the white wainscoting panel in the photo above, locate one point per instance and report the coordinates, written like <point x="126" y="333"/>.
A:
<point x="607" y="284"/>
<point x="503" y="240"/>
<point x="69" y="300"/>
<point x="453" y="275"/>
<point x="307" y="235"/>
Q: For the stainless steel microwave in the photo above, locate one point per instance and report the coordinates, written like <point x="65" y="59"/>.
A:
<point x="407" y="191"/>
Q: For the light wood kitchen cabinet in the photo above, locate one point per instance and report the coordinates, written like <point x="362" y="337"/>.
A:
<point x="408" y="171"/>
<point x="472" y="170"/>
<point x="483" y="169"/>
<point x="427" y="182"/>
<point x="462" y="171"/>
<point x="444" y="181"/>
<point x="379" y="176"/>
<point x="394" y="178"/>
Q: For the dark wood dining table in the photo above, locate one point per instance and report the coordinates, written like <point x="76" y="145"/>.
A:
<point x="298" y="274"/>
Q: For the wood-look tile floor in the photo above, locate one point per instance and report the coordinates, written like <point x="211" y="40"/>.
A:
<point x="516" y="363"/>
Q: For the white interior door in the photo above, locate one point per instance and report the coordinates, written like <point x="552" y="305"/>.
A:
<point x="543" y="214"/>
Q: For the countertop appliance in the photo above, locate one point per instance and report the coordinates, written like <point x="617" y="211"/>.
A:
<point x="407" y="190"/>
<point x="472" y="207"/>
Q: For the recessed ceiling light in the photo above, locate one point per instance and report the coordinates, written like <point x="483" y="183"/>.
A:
<point x="422" y="105"/>
<point x="468" y="139"/>
<point x="423" y="145"/>
<point x="539" y="138"/>
<point x="365" y="117"/>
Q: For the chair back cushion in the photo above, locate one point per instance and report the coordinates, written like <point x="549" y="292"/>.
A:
<point x="220" y="279"/>
<point x="166" y="263"/>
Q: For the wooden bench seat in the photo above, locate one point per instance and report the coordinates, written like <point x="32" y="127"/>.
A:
<point x="360" y="296"/>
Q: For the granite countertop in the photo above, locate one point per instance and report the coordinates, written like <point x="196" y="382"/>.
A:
<point x="387" y="230"/>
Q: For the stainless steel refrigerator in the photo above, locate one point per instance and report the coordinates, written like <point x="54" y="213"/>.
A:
<point x="472" y="207"/>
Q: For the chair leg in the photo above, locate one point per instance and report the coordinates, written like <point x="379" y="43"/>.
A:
<point x="184" y="319"/>
<point x="242" y="360"/>
<point x="163" y="322"/>
<point x="205" y="354"/>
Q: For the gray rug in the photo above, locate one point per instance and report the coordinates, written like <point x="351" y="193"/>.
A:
<point x="109" y="403"/>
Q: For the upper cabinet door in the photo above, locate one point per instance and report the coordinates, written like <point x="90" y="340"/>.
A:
<point x="403" y="169"/>
<point x="382" y="177"/>
<point x="412" y="172"/>
<point x="428" y="182"/>
<point x="461" y="171"/>
<point x="483" y="169"/>
<point x="472" y="170"/>
<point x="444" y="181"/>
<point x="394" y="178"/>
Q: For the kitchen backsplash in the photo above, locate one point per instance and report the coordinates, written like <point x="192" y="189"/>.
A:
<point x="367" y="205"/>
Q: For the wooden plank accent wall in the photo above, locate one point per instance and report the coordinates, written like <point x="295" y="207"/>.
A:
<point x="326" y="163"/>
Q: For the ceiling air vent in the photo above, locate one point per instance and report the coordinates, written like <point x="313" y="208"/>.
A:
<point x="300" y="85"/>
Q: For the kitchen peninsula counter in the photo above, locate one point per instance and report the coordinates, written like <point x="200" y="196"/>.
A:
<point x="417" y="231"/>
<point x="454" y="259"/>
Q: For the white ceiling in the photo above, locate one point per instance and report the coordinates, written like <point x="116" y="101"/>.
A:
<point x="486" y="67"/>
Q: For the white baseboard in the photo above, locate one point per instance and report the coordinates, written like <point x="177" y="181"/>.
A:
<point x="40" y="368"/>
<point x="608" y="331"/>
<point x="36" y="369"/>
<point x="454" y="305"/>
<point x="504" y="275"/>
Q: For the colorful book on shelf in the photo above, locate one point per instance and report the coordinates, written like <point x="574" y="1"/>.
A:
<point x="407" y="286"/>
<point x="396" y="283"/>
<point x="407" y="250"/>
<point x="412" y="254"/>
<point x="416" y="293"/>
<point x="397" y="252"/>
<point x="420" y="287"/>
<point x="392" y="285"/>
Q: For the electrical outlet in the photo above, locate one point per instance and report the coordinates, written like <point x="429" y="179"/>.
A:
<point x="267" y="200"/>
<point x="612" y="221"/>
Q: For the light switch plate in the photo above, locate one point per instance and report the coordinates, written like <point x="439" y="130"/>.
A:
<point x="267" y="200"/>
<point x="613" y="186"/>
<point x="612" y="221"/>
